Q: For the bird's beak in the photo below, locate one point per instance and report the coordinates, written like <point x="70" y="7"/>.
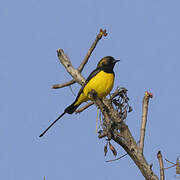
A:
<point x="116" y="60"/>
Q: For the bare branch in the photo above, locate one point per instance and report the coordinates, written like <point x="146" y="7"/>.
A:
<point x="81" y="66"/>
<point x="76" y="75"/>
<point x="113" y="126"/>
<point x="177" y="165"/>
<point x="144" y="120"/>
<point x="56" y="86"/>
<point x="93" y="46"/>
<point x="84" y="107"/>
<point x="161" y="164"/>
<point x="117" y="158"/>
<point x="124" y="138"/>
<point x="170" y="162"/>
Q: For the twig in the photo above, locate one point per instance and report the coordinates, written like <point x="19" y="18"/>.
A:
<point x="170" y="162"/>
<point x="177" y="165"/>
<point x="161" y="164"/>
<point x="118" y="92"/>
<point x="117" y="158"/>
<point x="170" y="167"/>
<point x="72" y="91"/>
<point x="144" y="120"/>
<point x="122" y="134"/>
<point x="81" y="66"/>
<point x="84" y="107"/>
<point x="56" y="86"/>
<point x="93" y="46"/>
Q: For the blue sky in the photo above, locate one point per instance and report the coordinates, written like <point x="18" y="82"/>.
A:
<point x="143" y="34"/>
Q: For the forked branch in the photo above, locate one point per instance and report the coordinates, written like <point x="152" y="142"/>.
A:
<point x="114" y="126"/>
<point x="84" y="62"/>
<point x="121" y="134"/>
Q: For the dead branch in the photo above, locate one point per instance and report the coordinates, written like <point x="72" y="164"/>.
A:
<point x="76" y="75"/>
<point x="161" y="165"/>
<point x="93" y="46"/>
<point x="177" y="164"/>
<point x="146" y="98"/>
<point x="81" y="66"/>
<point x="170" y="162"/>
<point x="84" y="107"/>
<point x="124" y="138"/>
<point x="117" y="158"/>
<point x="113" y="125"/>
<point x="57" y="86"/>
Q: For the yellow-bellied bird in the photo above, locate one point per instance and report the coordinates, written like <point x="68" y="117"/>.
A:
<point x="101" y="80"/>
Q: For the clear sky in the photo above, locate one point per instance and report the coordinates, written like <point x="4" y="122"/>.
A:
<point x="145" y="35"/>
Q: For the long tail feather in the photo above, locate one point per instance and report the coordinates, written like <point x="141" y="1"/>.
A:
<point x="70" y="109"/>
<point x="52" y="124"/>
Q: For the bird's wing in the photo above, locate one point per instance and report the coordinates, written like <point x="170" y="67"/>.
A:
<point x="93" y="73"/>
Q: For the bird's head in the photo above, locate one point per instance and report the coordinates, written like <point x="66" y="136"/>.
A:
<point x="107" y="62"/>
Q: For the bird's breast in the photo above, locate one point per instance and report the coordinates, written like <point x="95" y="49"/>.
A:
<point x="102" y="83"/>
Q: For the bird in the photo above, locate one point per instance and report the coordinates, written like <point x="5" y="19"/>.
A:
<point x="101" y="80"/>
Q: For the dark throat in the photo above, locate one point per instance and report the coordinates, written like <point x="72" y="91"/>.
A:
<point x="107" y="69"/>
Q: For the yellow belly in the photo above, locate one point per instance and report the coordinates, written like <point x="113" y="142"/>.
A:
<point x="102" y="83"/>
